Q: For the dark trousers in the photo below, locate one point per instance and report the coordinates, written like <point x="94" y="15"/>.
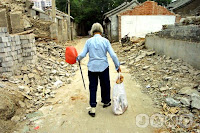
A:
<point x="104" y="83"/>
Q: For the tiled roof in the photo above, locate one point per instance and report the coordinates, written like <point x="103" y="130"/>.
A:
<point x="121" y="7"/>
<point x="177" y="4"/>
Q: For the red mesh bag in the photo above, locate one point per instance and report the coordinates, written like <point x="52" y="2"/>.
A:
<point x="71" y="55"/>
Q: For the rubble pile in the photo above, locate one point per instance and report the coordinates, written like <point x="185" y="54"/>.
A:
<point x="41" y="28"/>
<point x="14" y="5"/>
<point x="37" y="82"/>
<point x="173" y="84"/>
<point x="20" y="19"/>
<point x="195" y="20"/>
<point x="11" y="107"/>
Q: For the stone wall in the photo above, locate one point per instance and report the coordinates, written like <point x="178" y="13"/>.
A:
<point x="15" y="50"/>
<point x="181" y="32"/>
<point x="188" y="51"/>
<point x="181" y="40"/>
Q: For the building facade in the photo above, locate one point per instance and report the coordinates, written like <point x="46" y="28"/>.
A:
<point x="143" y="19"/>
<point x="111" y="20"/>
<point x="41" y="4"/>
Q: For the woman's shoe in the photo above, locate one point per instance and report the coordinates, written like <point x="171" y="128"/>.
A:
<point x="106" y="105"/>
<point x="92" y="112"/>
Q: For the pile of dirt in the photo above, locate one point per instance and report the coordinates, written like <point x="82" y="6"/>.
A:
<point x="11" y="107"/>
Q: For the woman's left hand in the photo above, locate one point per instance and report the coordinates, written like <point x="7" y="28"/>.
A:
<point x="119" y="69"/>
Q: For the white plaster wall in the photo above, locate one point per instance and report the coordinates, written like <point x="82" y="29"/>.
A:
<point x="140" y="25"/>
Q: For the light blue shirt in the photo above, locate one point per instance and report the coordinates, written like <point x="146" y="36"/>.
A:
<point x="98" y="46"/>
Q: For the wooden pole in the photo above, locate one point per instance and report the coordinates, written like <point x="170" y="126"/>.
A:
<point x="54" y="10"/>
<point x="70" y="36"/>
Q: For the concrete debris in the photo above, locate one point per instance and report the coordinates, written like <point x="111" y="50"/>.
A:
<point x="58" y="84"/>
<point x="164" y="79"/>
<point x="2" y="85"/>
<point x="164" y="88"/>
<point x="34" y="115"/>
<point x="22" y="104"/>
<point x="188" y="91"/>
<point x="195" y="101"/>
<point x="198" y="88"/>
<point x="185" y="101"/>
<point x="171" y="102"/>
<point x="15" y="118"/>
<point x="190" y="20"/>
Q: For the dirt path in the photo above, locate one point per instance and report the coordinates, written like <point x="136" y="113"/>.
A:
<point x="67" y="112"/>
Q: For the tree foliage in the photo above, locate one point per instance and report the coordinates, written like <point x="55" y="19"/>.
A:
<point x="87" y="12"/>
<point x="160" y="2"/>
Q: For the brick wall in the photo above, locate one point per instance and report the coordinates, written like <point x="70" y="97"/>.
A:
<point x="148" y="8"/>
<point x="119" y="27"/>
<point x="15" y="50"/>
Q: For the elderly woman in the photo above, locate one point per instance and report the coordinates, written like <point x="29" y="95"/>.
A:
<point x="98" y="67"/>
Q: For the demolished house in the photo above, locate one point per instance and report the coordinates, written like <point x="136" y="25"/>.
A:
<point x="145" y="18"/>
<point x="20" y="24"/>
<point x="22" y="16"/>
<point x="111" y="20"/>
<point x="185" y="7"/>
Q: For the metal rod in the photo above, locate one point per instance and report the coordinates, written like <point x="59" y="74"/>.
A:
<point x="81" y="74"/>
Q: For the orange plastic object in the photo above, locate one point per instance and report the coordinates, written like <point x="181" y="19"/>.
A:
<point x="36" y="128"/>
<point x="71" y="55"/>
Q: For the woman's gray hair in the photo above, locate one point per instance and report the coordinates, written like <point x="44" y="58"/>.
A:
<point x="96" y="27"/>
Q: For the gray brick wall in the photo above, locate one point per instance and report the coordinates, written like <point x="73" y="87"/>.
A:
<point x="15" y="51"/>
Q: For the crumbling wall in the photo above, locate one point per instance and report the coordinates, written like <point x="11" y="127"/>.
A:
<point x="188" y="29"/>
<point x="178" y="41"/>
<point x="186" y="33"/>
<point x="15" y="50"/>
<point x="185" y="50"/>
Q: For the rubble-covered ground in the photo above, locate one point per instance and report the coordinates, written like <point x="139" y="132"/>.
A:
<point x="173" y="84"/>
<point x="23" y="94"/>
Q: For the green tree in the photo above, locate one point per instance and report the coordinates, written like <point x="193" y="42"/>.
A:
<point x="160" y="2"/>
<point x="87" y="12"/>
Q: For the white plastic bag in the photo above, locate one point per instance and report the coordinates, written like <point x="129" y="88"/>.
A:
<point x="120" y="103"/>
